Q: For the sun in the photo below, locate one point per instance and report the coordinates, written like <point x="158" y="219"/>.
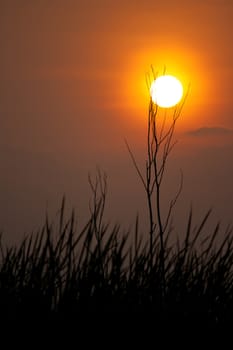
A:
<point x="166" y="91"/>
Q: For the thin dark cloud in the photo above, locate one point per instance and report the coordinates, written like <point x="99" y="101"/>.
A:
<point x="210" y="131"/>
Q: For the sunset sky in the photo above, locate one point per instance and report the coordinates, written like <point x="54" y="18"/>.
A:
<point x="72" y="88"/>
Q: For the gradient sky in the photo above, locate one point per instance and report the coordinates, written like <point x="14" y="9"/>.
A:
<point x="72" y="87"/>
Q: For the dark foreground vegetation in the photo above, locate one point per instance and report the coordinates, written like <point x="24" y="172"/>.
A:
<point x="64" y="273"/>
<point x="61" y="274"/>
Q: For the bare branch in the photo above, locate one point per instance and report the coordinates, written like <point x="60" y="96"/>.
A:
<point x="159" y="145"/>
<point x="135" y="164"/>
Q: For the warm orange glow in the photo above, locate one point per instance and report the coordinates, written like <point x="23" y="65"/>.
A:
<point x="187" y="66"/>
<point x="166" y="91"/>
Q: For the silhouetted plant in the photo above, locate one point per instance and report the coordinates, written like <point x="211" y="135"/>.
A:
<point x="160" y="131"/>
<point x="60" y="273"/>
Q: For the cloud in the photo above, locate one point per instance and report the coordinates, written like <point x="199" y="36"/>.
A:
<point x="210" y="131"/>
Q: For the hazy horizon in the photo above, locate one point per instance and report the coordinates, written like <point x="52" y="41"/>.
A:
<point x="73" y="88"/>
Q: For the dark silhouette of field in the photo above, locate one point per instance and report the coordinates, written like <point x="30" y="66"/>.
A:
<point x="61" y="274"/>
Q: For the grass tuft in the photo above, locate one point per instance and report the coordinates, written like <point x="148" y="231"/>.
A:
<point x="60" y="273"/>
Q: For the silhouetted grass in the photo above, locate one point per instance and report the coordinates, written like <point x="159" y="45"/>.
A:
<point x="60" y="273"/>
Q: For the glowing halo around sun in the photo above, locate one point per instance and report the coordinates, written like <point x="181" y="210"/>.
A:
<point x="166" y="91"/>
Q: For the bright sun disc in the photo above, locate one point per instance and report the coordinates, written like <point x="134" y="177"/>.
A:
<point x="166" y="91"/>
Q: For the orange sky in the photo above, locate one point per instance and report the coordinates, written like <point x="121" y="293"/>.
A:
<point x="73" y="87"/>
